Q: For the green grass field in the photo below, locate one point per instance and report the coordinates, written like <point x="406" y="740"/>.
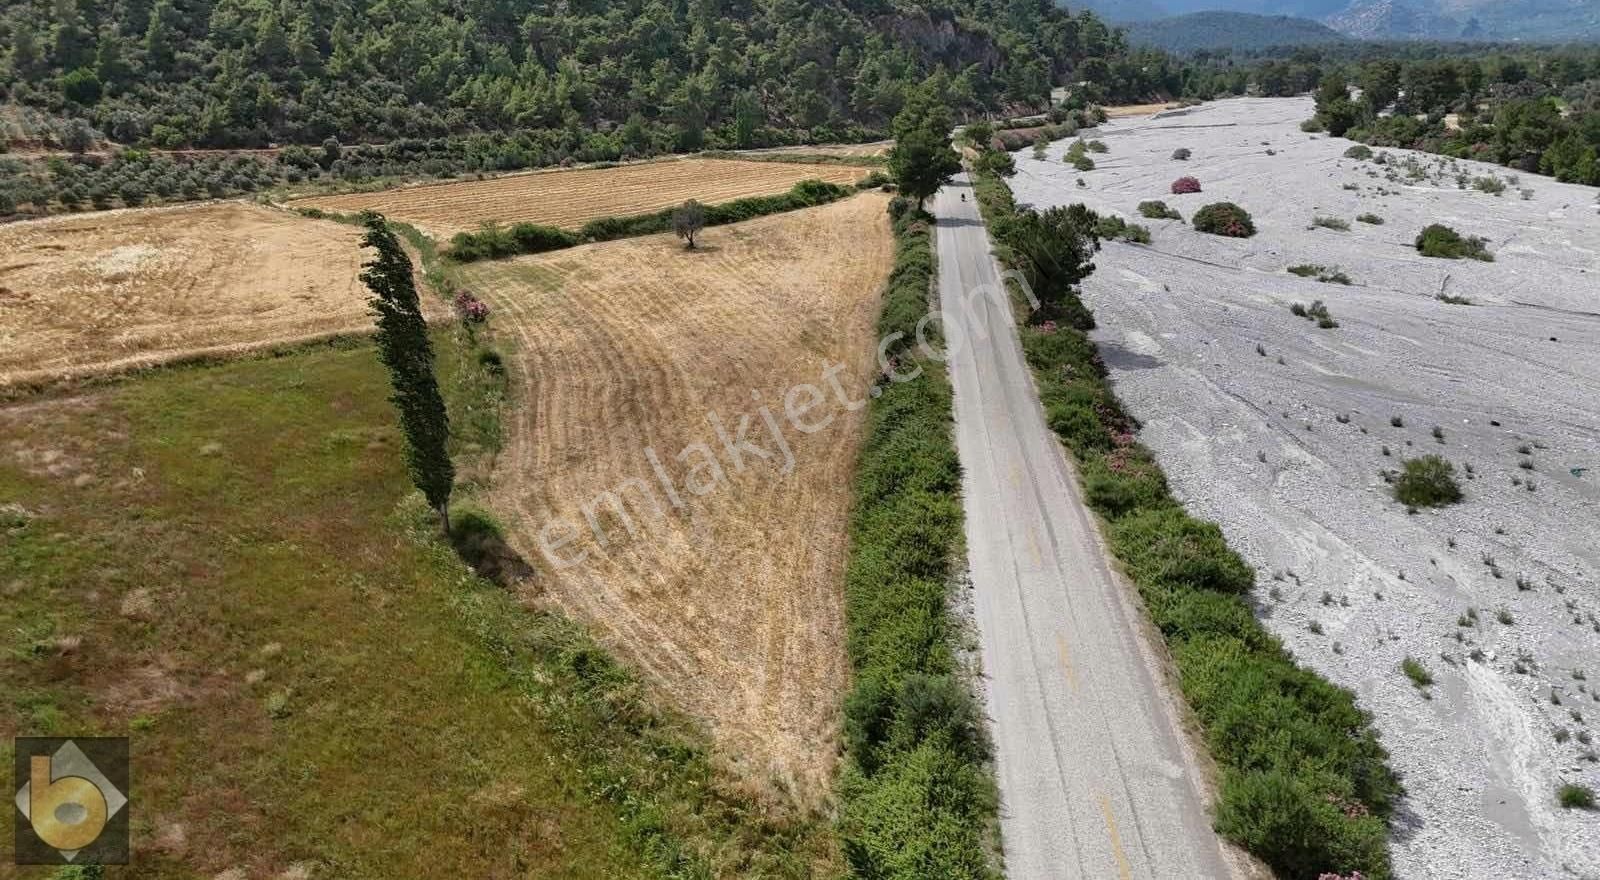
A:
<point x="228" y="565"/>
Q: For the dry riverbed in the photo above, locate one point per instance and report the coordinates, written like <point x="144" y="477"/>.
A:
<point x="1281" y="431"/>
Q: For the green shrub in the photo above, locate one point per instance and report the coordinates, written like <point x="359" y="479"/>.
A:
<point x="1372" y="219"/>
<point x="1083" y="163"/>
<point x="1331" y="223"/>
<point x="1288" y="821"/>
<point x="1359" y="151"/>
<point x="1575" y="797"/>
<point x="1158" y="210"/>
<point x="1098" y="147"/>
<point x="1441" y="241"/>
<point x="1428" y="481"/>
<point x="1226" y="219"/>
<point x="1111" y="226"/>
<point x="1182" y="154"/>
<point x="1325" y="274"/>
<point x="1492" y="185"/>
<point x="1166" y="547"/>
<point x="1414" y="670"/>
<point x="1317" y="312"/>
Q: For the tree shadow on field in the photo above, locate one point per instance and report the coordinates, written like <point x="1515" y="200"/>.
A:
<point x="700" y="247"/>
<point x="479" y="541"/>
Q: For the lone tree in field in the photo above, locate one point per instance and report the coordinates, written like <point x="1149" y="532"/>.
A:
<point x="922" y="159"/>
<point x="404" y="348"/>
<point x="688" y="220"/>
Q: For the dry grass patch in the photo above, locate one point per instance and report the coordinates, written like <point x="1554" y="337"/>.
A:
<point x="93" y="293"/>
<point x="569" y="199"/>
<point x="733" y="602"/>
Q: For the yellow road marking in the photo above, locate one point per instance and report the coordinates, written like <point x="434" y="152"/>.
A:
<point x="1123" y="869"/>
<point x="1066" y="661"/>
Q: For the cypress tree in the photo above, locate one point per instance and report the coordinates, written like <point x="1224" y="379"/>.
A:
<point x="404" y="348"/>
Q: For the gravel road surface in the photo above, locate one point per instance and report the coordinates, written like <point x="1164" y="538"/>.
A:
<point x="1095" y="779"/>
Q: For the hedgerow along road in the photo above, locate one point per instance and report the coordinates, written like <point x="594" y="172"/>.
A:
<point x="1094" y="779"/>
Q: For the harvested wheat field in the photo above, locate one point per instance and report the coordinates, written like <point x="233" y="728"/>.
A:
<point x="569" y="199"/>
<point x="714" y="567"/>
<point x="101" y="292"/>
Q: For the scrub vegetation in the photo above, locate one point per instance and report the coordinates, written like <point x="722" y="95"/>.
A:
<point x="1304" y="781"/>
<point x="917" y="796"/>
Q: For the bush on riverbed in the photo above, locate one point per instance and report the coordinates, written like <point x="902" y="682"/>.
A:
<point x="1226" y="219"/>
<point x="1157" y="210"/>
<point x="1441" y="241"/>
<point x="1185" y="185"/>
<point x="1428" y="481"/>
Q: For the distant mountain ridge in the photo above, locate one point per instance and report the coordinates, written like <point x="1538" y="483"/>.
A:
<point x="1230" y="30"/>
<point x="1531" y="20"/>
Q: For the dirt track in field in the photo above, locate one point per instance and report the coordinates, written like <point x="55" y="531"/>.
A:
<point x="733" y="601"/>
<point x="569" y="199"/>
<point x="92" y="293"/>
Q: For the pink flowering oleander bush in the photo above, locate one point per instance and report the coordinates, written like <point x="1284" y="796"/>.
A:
<point x="471" y="308"/>
<point x="1185" y="185"/>
<point x="1224" y="218"/>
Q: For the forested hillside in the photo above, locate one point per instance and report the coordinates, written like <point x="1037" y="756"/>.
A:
<point x="603" y="78"/>
<point x="1533" y="111"/>
<point x="1530" y="108"/>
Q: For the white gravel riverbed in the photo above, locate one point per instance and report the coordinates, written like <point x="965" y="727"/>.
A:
<point x="1285" y="448"/>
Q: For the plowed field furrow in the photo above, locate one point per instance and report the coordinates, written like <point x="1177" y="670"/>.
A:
<point x="569" y="199"/>
<point x="731" y="602"/>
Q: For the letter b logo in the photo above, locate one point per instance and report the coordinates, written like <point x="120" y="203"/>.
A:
<point x="68" y="813"/>
<point x="71" y="802"/>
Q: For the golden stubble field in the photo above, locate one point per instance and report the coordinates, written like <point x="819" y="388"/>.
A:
<point x="723" y="583"/>
<point x="91" y="293"/>
<point x="569" y="199"/>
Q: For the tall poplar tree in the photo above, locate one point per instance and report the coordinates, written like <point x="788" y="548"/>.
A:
<point x="404" y="348"/>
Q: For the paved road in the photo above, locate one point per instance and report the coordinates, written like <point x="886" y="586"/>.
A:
<point x="1094" y="782"/>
